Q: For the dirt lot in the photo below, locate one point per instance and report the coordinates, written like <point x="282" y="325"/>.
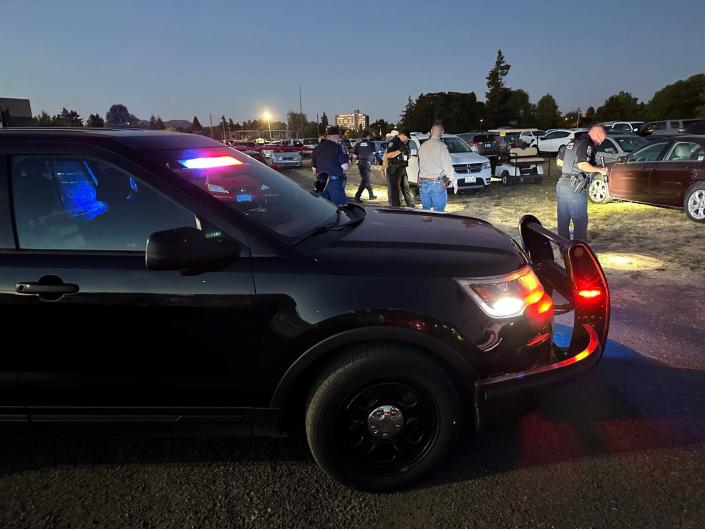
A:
<point x="632" y="240"/>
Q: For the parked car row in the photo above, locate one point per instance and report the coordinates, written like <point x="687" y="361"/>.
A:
<point x="276" y="155"/>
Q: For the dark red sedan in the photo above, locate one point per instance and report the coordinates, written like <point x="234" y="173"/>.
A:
<point x="667" y="173"/>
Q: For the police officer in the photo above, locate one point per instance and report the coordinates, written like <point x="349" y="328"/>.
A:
<point x="571" y="190"/>
<point x="330" y="157"/>
<point x="365" y="152"/>
<point x="397" y="158"/>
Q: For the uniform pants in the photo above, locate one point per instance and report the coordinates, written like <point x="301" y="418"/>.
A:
<point x="335" y="191"/>
<point x="364" y="179"/>
<point x="406" y="192"/>
<point x="433" y="195"/>
<point x="394" y="177"/>
<point x="571" y="206"/>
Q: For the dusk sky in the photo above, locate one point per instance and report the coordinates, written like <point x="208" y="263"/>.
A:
<point x="184" y="58"/>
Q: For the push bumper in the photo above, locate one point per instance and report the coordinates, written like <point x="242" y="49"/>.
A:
<point x="583" y="286"/>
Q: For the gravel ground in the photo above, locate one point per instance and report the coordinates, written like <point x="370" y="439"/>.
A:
<point x="621" y="448"/>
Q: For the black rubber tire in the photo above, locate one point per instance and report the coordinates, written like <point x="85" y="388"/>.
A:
<point x="505" y="178"/>
<point x="599" y="180"/>
<point x="689" y="193"/>
<point x="374" y="363"/>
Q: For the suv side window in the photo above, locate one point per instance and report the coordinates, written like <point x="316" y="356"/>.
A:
<point x="75" y="203"/>
<point x="675" y="124"/>
<point x="660" y="125"/>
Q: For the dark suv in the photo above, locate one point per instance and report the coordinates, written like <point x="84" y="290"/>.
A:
<point x="164" y="278"/>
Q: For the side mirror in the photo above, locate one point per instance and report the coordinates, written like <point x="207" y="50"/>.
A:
<point x="622" y="159"/>
<point x="189" y="249"/>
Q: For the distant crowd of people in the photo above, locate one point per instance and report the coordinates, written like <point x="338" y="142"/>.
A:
<point x="330" y="162"/>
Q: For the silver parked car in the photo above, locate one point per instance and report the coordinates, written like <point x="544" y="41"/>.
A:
<point x="614" y="147"/>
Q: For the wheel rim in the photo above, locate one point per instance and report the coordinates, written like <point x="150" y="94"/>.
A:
<point x="696" y="204"/>
<point x="598" y="190"/>
<point x="387" y="427"/>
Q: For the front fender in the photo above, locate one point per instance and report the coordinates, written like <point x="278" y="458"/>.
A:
<point x="450" y="358"/>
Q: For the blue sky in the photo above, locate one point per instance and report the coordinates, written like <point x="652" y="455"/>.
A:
<point x="184" y="58"/>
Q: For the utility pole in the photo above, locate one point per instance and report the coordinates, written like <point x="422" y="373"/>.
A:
<point x="301" y="115"/>
<point x="318" y="125"/>
<point x="210" y="117"/>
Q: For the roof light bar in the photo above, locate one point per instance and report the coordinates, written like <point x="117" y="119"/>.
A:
<point x="210" y="162"/>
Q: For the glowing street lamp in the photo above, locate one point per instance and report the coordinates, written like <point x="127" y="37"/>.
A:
<point x="267" y="116"/>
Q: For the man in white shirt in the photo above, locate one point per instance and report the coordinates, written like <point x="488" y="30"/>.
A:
<point x="435" y="170"/>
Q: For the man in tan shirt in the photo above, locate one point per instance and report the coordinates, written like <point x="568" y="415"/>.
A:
<point x="435" y="170"/>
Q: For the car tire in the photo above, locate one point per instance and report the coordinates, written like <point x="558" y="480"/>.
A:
<point x="417" y="404"/>
<point x="694" y="202"/>
<point x="505" y="178"/>
<point x="599" y="191"/>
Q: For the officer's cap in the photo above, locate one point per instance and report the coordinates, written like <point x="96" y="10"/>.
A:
<point x="332" y="131"/>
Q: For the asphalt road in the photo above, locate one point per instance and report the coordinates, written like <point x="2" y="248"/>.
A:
<point x="621" y="448"/>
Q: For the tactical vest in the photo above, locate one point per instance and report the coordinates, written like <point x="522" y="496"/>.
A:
<point x="570" y="165"/>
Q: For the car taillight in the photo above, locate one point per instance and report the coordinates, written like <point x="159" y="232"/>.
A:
<point x="516" y="294"/>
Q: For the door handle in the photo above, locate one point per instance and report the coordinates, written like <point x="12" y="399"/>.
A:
<point x="48" y="287"/>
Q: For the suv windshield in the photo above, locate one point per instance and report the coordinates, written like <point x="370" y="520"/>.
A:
<point x="252" y="189"/>
<point x="456" y="145"/>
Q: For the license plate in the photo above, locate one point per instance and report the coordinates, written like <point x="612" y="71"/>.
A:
<point x="488" y="145"/>
<point x="470" y="180"/>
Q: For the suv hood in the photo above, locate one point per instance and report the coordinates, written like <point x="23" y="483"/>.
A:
<point x="463" y="158"/>
<point x="410" y="243"/>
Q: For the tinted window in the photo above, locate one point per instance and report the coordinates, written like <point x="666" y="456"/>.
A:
<point x="647" y="154"/>
<point x="621" y="126"/>
<point x="675" y="124"/>
<point x="556" y="135"/>
<point x="251" y="189"/>
<point x="69" y="203"/>
<point x="659" y="125"/>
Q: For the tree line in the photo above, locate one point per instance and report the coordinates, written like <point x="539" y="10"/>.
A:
<point x="459" y="111"/>
<point x="505" y="106"/>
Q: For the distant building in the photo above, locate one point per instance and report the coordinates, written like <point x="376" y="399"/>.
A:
<point x="354" y="121"/>
<point x="15" y="112"/>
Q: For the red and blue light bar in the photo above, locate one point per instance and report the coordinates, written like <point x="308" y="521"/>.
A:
<point x="210" y="162"/>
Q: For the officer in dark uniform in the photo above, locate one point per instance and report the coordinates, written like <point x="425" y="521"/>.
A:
<point x="330" y="157"/>
<point x="571" y="190"/>
<point x="365" y="152"/>
<point x="397" y="157"/>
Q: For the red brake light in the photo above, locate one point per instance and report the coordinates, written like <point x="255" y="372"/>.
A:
<point x="589" y="294"/>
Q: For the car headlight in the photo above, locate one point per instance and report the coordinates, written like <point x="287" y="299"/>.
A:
<point x="510" y="296"/>
<point x="487" y="165"/>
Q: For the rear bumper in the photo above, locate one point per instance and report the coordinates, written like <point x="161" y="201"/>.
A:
<point x="583" y="284"/>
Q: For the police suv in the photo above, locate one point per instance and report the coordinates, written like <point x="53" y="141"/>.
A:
<point x="167" y="280"/>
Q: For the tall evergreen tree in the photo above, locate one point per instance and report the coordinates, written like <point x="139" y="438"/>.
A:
<point x="324" y="122"/>
<point x="152" y="122"/>
<point x="196" y="125"/>
<point x="497" y="93"/>
<point x="160" y="124"/>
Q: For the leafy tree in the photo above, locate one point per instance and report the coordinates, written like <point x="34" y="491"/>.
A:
<point x="324" y="122"/>
<point x="152" y="122"/>
<point x="497" y="93"/>
<point x="117" y="116"/>
<point x="700" y="111"/>
<point x="520" y="111"/>
<point x="67" y="118"/>
<point x="459" y="111"/>
<point x="678" y="100"/>
<point x="620" y="106"/>
<point x="547" y="115"/>
<point x="42" y="120"/>
<point x="590" y="115"/>
<point x="160" y="124"/>
<point x="295" y="121"/>
<point x="94" y="120"/>
<point x="380" y="127"/>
